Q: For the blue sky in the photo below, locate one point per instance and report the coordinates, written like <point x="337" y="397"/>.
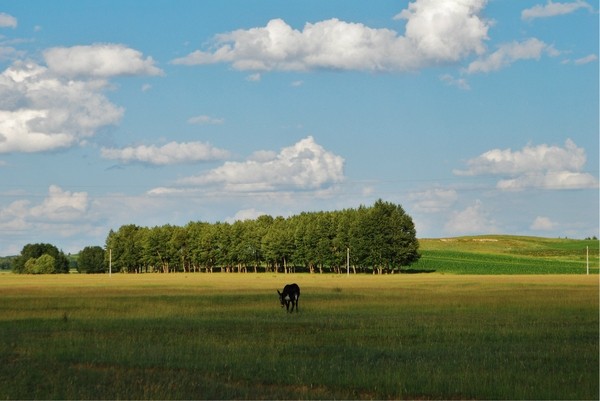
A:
<point x="478" y="117"/>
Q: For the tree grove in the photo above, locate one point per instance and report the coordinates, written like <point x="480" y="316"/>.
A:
<point x="380" y="238"/>
<point x="41" y="258"/>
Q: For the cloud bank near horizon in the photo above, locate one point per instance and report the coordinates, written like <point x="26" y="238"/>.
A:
<point x="542" y="166"/>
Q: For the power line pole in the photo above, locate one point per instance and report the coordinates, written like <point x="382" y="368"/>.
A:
<point x="348" y="261"/>
<point x="109" y="262"/>
<point x="587" y="259"/>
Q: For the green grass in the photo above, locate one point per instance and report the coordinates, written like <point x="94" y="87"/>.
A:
<point x="503" y="254"/>
<point x="223" y="336"/>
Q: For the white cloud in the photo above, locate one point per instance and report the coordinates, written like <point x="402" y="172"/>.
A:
<point x="549" y="180"/>
<point x="58" y="207"/>
<point x="436" y="32"/>
<point x="7" y="21"/>
<point x="13" y="217"/>
<point x="433" y="200"/>
<point x="10" y="53"/>
<point x="99" y="60"/>
<point x="530" y="158"/>
<point x="542" y="166"/>
<point x="263" y="156"/>
<point x="40" y="111"/>
<point x="303" y="166"/>
<point x="472" y="220"/>
<point x="205" y="120"/>
<point x="552" y="9"/>
<point x="542" y="224"/>
<point x="445" y="30"/>
<point x="64" y="218"/>
<point x="509" y="53"/>
<point x="171" y="153"/>
<point x="253" y="77"/>
<point x="460" y="83"/>
<point x="587" y="59"/>
<point x="61" y="205"/>
<point x="245" y="214"/>
<point x="45" y="108"/>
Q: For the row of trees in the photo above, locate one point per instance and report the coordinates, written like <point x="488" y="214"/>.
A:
<point x="377" y="238"/>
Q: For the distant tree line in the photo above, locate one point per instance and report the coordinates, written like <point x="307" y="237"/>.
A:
<point x="380" y="238"/>
<point x="6" y="262"/>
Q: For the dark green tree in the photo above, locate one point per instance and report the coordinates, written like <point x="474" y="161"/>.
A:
<point x="91" y="260"/>
<point x="384" y="238"/>
<point x="61" y="263"/>
<point x="126" y="246"/>
<point x="278" y="244"/>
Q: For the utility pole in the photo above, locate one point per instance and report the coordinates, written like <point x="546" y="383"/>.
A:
<point x="348" y="261"/>
<point x="109" y="262"/>
<point x="587" y="259"/>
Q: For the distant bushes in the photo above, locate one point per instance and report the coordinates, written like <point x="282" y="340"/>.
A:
<point x="40" y="259"/>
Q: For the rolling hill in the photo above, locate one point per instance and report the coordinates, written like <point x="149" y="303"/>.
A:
<point x="507" y="254"/>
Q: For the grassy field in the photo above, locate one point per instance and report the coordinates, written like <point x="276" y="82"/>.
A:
<point x="223" y="336"/>
<point x="505" y="254"/>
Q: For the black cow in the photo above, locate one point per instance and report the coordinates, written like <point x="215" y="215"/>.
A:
<point x="290" y="294"/>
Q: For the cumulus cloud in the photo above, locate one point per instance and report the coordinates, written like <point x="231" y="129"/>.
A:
<point x="436" y="32"/>
<point x="542" y="166"/>
<point x="59" y="206"/>
<point x="245" y="214"/>
<point x="41" y="112"/>
<point x="45" y="108"/>
<point x="99" y="60"/>
<point x="171" y="153"/>
<point x="13" y="217"/>
<point x="472" y="220"/>
<point x="433" y="200"/>
<point x="305" y="165"/>
<point x="542" y="224"/>
<point x="60" y="214"/>
<point x="552" y="9"/>
<point x="7" y="21"/>
<point x="445" y="30"/>
<point x="508" y="53"/>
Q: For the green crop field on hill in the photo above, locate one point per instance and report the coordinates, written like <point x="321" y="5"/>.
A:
<point x="505" y="254"/>
<point x="224" y="336"/>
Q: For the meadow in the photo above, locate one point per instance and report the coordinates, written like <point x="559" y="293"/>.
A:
<point x="224" y="336"/>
